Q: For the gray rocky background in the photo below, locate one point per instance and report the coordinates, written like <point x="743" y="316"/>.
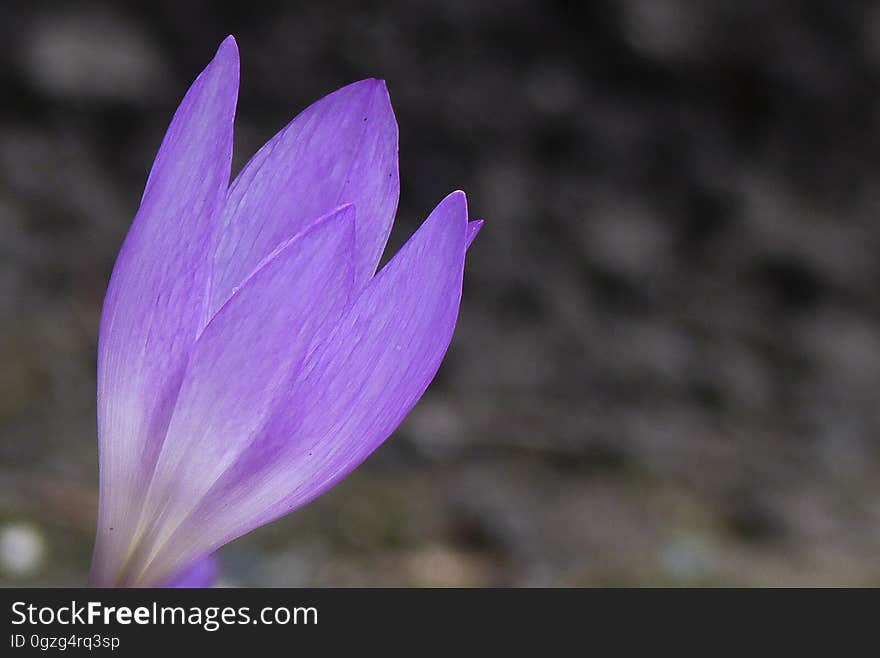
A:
<point x="667" y="366"/>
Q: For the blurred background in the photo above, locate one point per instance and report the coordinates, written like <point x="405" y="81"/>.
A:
<point x="667" y="365"/>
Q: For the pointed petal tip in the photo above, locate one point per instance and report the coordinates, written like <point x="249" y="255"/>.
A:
<point x="367" y="86"/>
<point x="456" y="199"/>
<point x="380" y="88"/>
<point x="223" y="69"/>
<point x="450" y="212"/>
<point x="447" y="219"/>
<point x="228" y="50"/>
<point x="473" y="228"/>
<point x="373" y="83"/>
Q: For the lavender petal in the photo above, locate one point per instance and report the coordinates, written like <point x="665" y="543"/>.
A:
<point x="200" y="574"/>
<point x="341" y="149"/>
<point x="242" y="367"/>
<point x="156" y="300"/>
<point x="473" y="228"/>
<point x="350" y="394"/>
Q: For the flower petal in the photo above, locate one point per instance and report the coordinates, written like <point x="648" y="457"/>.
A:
<point x="242" y="366"/>
<point x="200" y="574"/>
<point x="157" y="298"/>
<point x="351" y="392"/>
<point x="472" y="229"/>
<point x="341" y="149"/>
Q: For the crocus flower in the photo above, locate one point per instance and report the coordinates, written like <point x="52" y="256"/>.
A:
<point x="250" y="356"/>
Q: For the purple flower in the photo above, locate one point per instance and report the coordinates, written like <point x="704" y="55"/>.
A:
<point x="250" y="356"/>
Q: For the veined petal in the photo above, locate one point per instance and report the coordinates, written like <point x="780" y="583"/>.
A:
<point x="200" y="574"/>
<point x="341" y="149"/>
<point x="350" y="393"/>
<point x="241" y="369"/>
<point x="156" y="299"/>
